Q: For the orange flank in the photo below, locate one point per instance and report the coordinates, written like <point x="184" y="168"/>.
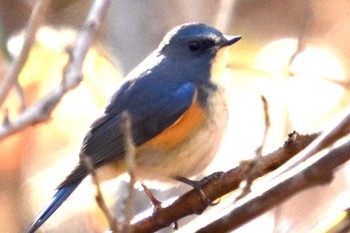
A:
<point x="181" y="130"/>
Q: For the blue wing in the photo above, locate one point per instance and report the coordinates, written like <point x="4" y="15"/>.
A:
<point x="153" y="106"/>
<point x="61" y="195"/>
<point x="151" y="111"/>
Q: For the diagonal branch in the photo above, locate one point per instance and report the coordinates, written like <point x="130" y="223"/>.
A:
<point x="224" y="183"/>
<point x="42" y="110"/>
<point x="36" y="19"/>
<point x="327" y="138"/>
<point x="318" y="170"/>
<point x="297" y="175"/>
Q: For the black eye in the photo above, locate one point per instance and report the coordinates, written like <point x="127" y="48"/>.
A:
<point x="194" y="45"/>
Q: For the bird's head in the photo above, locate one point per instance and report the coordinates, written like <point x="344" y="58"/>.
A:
<point x="195" y="45"/>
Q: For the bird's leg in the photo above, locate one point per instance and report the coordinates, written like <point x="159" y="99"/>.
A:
<point x="199" y="184"/>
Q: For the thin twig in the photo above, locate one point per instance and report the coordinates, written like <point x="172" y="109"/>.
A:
<point x="267" y="125"/>
<point x="42" y="110"/>
<point x="130" y="164"/>
<point x="253" y="166"/>
<point x="73" y="71"/>
<point x="37" y="17"/>
<point x="99" y="195"/>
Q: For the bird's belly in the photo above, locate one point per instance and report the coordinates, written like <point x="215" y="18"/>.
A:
<point x="186" y="148"/>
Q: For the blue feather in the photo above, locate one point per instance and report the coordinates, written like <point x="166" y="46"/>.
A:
<point x="61" y="195"/>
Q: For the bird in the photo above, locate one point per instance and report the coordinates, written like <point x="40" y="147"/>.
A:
<point x="177" y="110"/>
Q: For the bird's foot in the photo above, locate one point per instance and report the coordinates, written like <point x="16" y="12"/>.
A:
<point x="198" y="186"/>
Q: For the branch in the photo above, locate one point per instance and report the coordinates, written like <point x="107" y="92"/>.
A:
<point x="327" y="138"/>
<point x="42" y="110"/>
<point x="36" y="19"/>
<point x="316" y="171"/>
<point x="100" y="200"/>
<point x="258" y="151"/>
<point x="216" y="187"/>
<point x="253" y="166"/>
<point x="130" y="153"/>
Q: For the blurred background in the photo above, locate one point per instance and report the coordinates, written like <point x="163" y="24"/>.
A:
<point x="294" y="52"/>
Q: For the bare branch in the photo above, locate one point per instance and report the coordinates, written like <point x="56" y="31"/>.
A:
<point x="328" y="137"/>
<point x="253" y="166"/>
<point x="101" y="203"/>
<point x="42" y="110"/>
<point x="131" y="166"/>
<point x="316" y="171"/>
<point x="266" y="127"/>
<point x="215" y="188"/>
<point x="73" y="71"/>
<point x="37" y="17"/>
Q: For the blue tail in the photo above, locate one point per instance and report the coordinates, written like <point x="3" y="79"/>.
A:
<point x="61" y="195"/>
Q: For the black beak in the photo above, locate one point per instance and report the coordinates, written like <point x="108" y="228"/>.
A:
<point x="230" y="40"/>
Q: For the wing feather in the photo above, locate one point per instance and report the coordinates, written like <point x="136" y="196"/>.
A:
<point x="152" y="111"/>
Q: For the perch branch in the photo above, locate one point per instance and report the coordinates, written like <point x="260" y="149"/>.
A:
<point x="318" y="170"/>
<point x="224" y="183"/>
<point x="327" y="138"/>
<point x="315" y="171"/>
